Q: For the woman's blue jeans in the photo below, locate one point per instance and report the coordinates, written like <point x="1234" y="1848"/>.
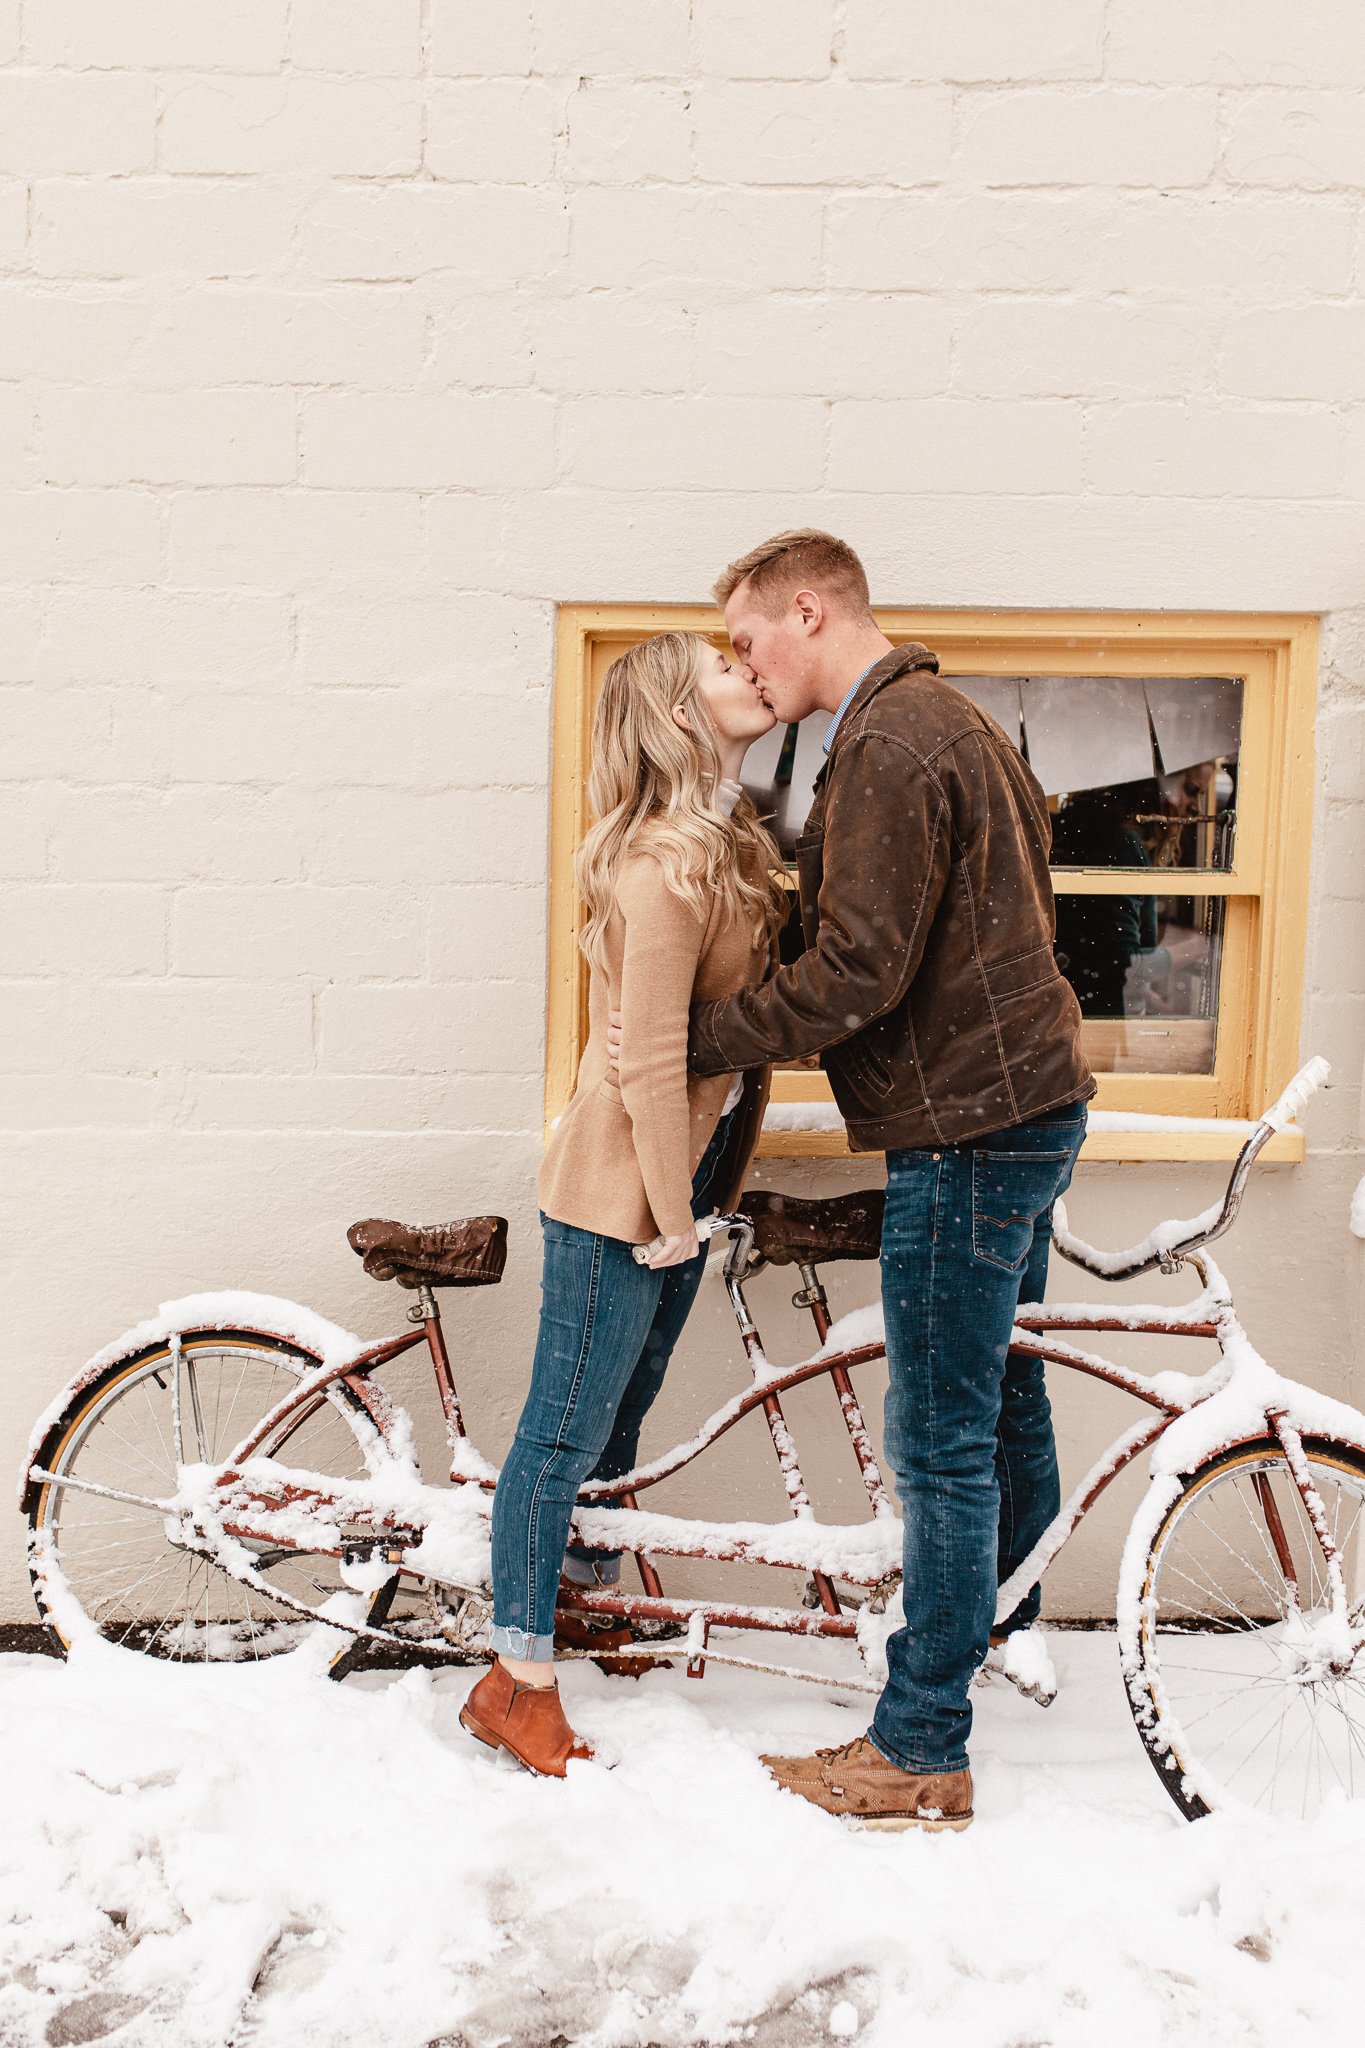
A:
<point x="607" y="1331"/>
<point x="968" y="1427"/>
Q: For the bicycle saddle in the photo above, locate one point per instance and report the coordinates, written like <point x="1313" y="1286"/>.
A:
<point x="470" y="1253"/>
<point x="788" y="1230"/>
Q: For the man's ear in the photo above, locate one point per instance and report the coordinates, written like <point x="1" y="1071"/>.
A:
<point x="809" y="610"/>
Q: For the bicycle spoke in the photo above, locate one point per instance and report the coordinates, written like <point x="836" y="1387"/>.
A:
<point x="1211" y="1587"/>
<point x="166" y="1451"/>
<point x="138" y="1586"/>
<point x="1218" y="1699"/>
<point x="232" y="1410"/>
<point x="156" y="1571"/>
<point x="196" y="1410"/>
<point x="139" y="1458"/>
<point x="1261" y="1740"/>
<point x="1237" y="1556"/>
<point x="1260" y="1701"/>
<point x="1355" y="1747"/>
<point x="1215" y="1671"/>
<point x="1236" y="1696"/>
<point x="1255" y="1511"/>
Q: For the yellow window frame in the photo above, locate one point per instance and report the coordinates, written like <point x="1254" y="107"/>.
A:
<point x="1275" y="656"/>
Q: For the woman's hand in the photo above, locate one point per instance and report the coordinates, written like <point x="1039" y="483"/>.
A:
<point x="674" y="1251"/>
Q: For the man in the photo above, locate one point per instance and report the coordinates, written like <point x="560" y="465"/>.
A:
<point x="929" y="988"/>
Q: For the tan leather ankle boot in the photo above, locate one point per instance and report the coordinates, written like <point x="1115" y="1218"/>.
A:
<point x="525" y="1720"/>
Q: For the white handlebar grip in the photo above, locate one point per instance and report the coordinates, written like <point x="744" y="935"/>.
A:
<point x="707" y="1226"/>
<point x="1305" y="1083"/>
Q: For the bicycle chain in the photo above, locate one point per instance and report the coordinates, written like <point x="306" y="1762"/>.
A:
<point x="680" y="1648"/>
<point x="649" y="1652"/>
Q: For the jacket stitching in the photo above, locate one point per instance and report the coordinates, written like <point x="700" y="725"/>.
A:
<point x="929" y="1110"/>
<point x="1024" y="986"/>
<point x="902" y="984"/>
<point x="925" y="665"/>
<point x="986" y="992"/>
<point x="1008" y="959"/>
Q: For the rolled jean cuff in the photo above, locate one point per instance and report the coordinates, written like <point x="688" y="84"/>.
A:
<point x="526" y="1649"/>
<point x="593" y="1568"/>
<point x="916" y="1770"/>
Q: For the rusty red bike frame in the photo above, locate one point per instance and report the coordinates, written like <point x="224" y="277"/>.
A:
<point x="395" y="1522"/>
<point x="249" y="1503"/>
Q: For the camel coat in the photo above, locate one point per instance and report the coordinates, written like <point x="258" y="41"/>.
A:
<point x="621" y="1158"/>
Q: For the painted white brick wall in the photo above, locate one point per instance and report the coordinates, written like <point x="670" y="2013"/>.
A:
<point x="341" y="339"/>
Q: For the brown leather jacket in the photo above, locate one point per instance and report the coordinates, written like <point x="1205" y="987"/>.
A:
<point x="928" y="984"/>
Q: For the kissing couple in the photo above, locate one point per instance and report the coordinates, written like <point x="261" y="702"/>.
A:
<point x="927" y="984"/>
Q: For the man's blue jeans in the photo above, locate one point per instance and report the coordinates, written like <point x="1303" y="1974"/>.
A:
<point x="607" y="1332"/>
<point x="968" y="1428"/>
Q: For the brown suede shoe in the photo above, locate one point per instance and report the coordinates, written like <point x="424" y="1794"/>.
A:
<point x="857" y="1783"/>
<point x="525" y="1720"/>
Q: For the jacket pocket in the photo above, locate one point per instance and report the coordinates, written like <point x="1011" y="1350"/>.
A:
<point x="860" y="1088"/>
<point x="1010" y="1191"/>
<point x="1014" y="977"/>
<point x="867" y="1067"/>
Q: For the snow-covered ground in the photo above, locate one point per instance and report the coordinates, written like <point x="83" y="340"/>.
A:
<point x="256" y="1856"/>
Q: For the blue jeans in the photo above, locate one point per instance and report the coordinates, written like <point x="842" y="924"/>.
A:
<point x="607" y="1331"/>
<point x="968" y="1427"/>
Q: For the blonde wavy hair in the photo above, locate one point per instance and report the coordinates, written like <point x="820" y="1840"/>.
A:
<point x="646" y="771"/>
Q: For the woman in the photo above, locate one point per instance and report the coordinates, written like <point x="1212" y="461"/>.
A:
<point x="683" y="900"/>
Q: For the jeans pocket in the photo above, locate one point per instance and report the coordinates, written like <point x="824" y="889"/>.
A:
<point x="1010" y="1191"/>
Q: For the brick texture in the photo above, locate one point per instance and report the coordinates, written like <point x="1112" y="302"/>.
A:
<point x="342" y="339"/>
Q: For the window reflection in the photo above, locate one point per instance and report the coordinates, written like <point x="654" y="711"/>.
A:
<point x="1100" y="938"/>
<point x="1179" y="734"/>
<point x="1145" y="970"/>
<point x="1144" y="966"/>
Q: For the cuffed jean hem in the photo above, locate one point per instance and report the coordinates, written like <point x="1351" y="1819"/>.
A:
<point x="916" y="1770"/>
<point x="589" y="1571"/>
<point x="516" y="1643"/>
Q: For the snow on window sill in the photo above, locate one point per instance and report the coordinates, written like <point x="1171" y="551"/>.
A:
<point x="815" y="1130"/>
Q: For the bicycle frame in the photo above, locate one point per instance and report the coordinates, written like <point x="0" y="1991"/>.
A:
<point x="248" y="1503"/>
<point x="251" y="1499"/>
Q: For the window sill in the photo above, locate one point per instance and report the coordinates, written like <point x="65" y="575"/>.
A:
<point x="1113" y="1139"/>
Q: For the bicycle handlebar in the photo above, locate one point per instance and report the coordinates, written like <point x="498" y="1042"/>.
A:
<point x="1169" y="1244"/>
<point x="1304" y="1085"/>
<point x="707" y="1226"/>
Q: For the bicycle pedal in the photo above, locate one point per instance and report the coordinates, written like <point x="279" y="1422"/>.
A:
<point x="1023" y="1660"/>
<point x="389" y="1548"/>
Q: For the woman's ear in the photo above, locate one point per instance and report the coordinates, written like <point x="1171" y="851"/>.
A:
<point x="680" y="718"/>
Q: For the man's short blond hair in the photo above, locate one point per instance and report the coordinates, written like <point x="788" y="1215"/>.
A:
<point x="803" y="558"/>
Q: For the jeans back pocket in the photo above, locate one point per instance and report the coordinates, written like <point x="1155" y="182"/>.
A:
<point x="1010" y="1191"/>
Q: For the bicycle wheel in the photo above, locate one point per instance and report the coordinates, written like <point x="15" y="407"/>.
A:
<point x="113" y="1557"/>
<point x="1242" y="1683"/>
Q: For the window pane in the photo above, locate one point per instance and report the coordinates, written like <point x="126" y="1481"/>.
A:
<point x="1141" y="772"/>
<point x="1187" y="820"/>
<point x="1145" y="970"/>
<point x="779" y="773"/>
<point x="1146" y="767"/>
